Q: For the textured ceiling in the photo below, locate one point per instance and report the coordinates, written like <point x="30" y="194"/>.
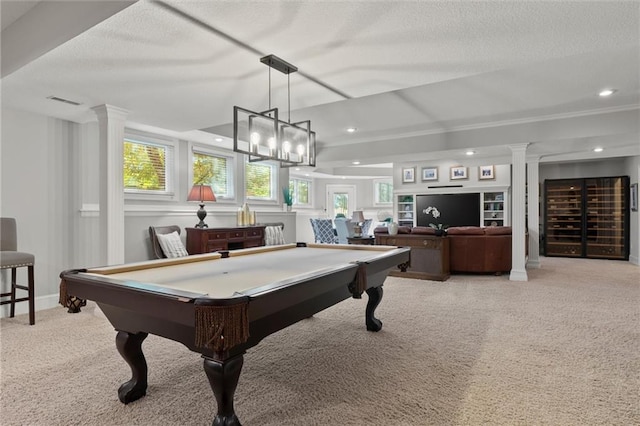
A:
<point x="389" y="68"/>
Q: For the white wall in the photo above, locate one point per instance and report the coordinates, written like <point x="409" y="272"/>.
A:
<point x="584" y="169"/>
<point x="35" y="188"/>
<point x="364" y="193"/>
<point x="445" y="184"/>
<point x="137" y="222"/>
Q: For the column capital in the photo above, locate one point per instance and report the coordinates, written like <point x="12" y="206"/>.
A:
<point x="109" y="111"/>
<point x="519" y="147"/>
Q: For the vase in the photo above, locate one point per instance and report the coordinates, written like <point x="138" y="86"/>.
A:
<point x="289" y="207"/>
<point x="393" y="228"/>
<point x="439" y="232"/>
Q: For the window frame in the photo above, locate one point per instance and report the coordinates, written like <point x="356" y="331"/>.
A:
<point x="310" y="191"/>
<point x="171" y="166"/>
<point x="376" y="192"/>
<point x="275" y="182"/>
<point x="231" y="168"/>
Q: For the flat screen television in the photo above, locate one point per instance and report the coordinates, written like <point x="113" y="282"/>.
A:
<point x="455" y="209"/>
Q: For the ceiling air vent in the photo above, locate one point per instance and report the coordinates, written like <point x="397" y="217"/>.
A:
<point x="66" y="101"/>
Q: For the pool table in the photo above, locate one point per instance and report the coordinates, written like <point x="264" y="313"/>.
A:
<point x="221" y="304"/>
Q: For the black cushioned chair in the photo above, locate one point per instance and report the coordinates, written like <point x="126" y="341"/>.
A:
<point x="11" y="258"/>
<point x="153" y="231"/>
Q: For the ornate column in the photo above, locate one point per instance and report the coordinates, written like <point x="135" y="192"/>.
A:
<point x="533" y="211"/>
<point x="111" y="122"/>
<point x="518" y="189"/>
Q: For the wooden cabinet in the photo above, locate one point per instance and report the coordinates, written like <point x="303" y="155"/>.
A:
<point x="494" y="209"/>
<point x="606" y="218"/>
<point x="587" y="218"/>
<point x="406" y="210"/>
<point x="207" y="240"/>
<point x="362" y="241"/>
<point x="563" y="219"/>
<point x="429" y="255"/>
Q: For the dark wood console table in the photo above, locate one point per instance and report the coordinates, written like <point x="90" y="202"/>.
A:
<point x="207" y="240"/>
<point x="429" y="255"/>
<point x="363" y="241"/>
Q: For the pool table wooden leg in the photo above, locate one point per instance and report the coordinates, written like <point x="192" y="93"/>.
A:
<point x="375" y="296"/>
<point x="223" y="377"/>
<point x="130" y="347"/>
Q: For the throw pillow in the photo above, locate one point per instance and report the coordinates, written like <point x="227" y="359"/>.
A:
<point x="274" y="236"/>
<point x="172" y="245"/>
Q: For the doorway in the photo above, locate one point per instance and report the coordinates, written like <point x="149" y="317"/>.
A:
<point x="341" y="199"/>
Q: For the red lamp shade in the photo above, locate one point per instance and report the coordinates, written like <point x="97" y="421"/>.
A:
<point x="201" y="193"/>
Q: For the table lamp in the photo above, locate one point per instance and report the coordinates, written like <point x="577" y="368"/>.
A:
<point x="357" y="220"/>
<point x="201" y="193"/>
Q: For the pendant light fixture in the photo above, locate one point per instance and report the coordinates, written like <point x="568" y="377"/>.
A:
<point x="263" y="136"/>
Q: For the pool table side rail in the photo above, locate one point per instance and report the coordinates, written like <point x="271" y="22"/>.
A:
<point x="69" y="279"/>
<point x="155" y="263"/>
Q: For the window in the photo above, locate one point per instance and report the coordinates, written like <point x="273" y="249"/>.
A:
<point x="341" y="204"/>
<point x="213" y="169"/>
<point x="300" y="191"/>
<point x="383" y="191"/>
<point x="261" y="180"/>
<point x="147" y="167"/>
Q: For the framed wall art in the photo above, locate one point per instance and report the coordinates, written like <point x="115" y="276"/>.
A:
<point x="458" y="172"/>
<point x="634" y="197"/>
<point x="486" y="172"/>
<point x="409" y="175"/>
<point x="429" y="173"/>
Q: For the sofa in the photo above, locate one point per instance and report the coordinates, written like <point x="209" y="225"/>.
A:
<point x="476" y="249"/>
<point x="471" y="249"/>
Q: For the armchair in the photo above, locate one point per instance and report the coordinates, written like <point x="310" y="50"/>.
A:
<point x="344" y="229"/>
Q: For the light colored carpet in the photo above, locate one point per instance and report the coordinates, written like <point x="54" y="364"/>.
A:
<point x="560" y="349"/>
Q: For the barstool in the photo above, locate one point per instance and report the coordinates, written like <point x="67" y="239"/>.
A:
<point x="12" y="259"/>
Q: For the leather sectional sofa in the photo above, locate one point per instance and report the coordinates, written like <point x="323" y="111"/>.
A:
<point x="472" y="249"/>
<point x="476" y="249"/>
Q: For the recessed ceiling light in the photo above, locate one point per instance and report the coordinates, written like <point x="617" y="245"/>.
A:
<point x="218" y="139"/>
<point x="351" y="129"/>
<point x="598" y="149"/>
<point x="297" y="168"/>
<point x="470" y="152"/>
<point x="306" y="174"/>
<point x="355" y="162"/>
<point x="606" y="92"/>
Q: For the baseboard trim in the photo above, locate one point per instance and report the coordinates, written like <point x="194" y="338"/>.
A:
<point x="533" y="264"/>
<point x="517" y="275"/>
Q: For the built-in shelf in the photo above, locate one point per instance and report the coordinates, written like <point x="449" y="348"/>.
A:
<point x="494" y="209"/>
<point x="406" y="210"/>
